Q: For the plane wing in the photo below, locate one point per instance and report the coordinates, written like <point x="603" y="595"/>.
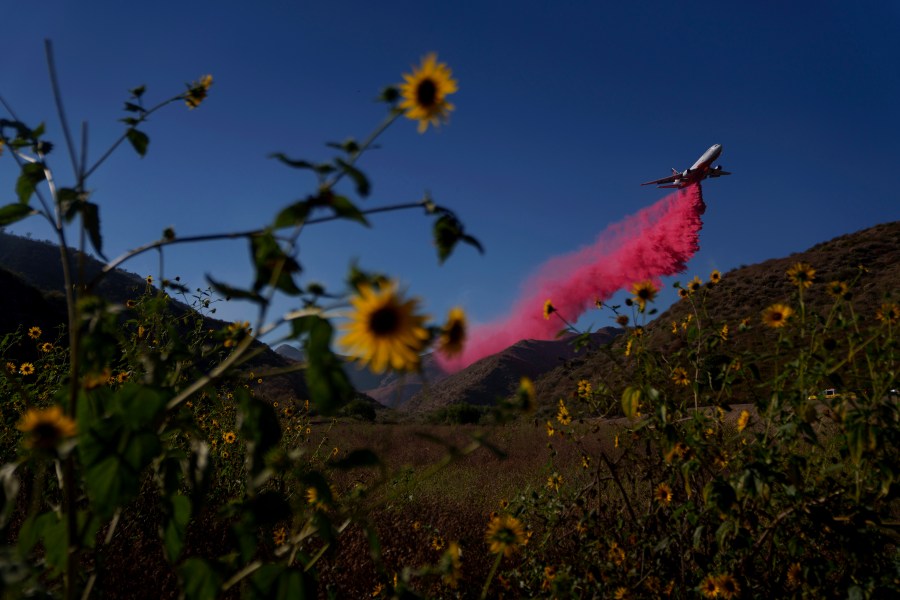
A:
<point x="668" y="179"/>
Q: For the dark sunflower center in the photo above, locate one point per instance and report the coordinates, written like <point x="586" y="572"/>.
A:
<point x="45" y="435"/>
<point x="777" y="316"/>
<point x="455" y="333"/>
<point x="384" y="321"/>
<point x="426" y="93"/>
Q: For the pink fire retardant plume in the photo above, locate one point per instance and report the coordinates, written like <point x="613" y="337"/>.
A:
<point x="657" y="241"/>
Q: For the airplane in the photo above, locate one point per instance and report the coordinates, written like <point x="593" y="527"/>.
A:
<point x="699" y="171"/>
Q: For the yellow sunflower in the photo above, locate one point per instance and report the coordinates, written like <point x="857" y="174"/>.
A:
<point x="683" y="293"/>
<point x="695" y="284"/>
<point x="279" y="536"/>
<point x="46" y="347"/>
<point x="715" y="277"/>
<point x="801" y="274"/>
<point x="644" y="292"/>
<point x="563" y="415"/>
<point x="425" y="93"/>
<point x="616" y="554"/>
<point x="838" y="289"/>
<point x="743" y="420"/>
<point x="453" y="335"/>
<point x="525" y="394"/>
<point x="46" y="428"/>
<point x="549" y="309"/>
<point x="680" y="376"/>
<point x="888" y="312"/>
<point x="727" y="585"/>
<point x="663" y="493"/>
<point x="34" y="333"/>
<point x="26" y="369"/>
<point x="229" y="437"/>
<point x="384" y="331"/>
<point x="709" y="587"/>
<point x="197" y="93"/>
<point x="504" y="535"/>
<point x="554" y="482"/>
<point x="777" y="315"/>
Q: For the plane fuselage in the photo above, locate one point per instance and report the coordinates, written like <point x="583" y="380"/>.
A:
<point x="699" y="170"/>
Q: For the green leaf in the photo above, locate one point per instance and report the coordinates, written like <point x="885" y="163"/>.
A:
<point x="448" y="231"/>
<point x="12" y="213"/>
<point x="329" y="387"/>
<point x="856" y="440"/>
<point x="69" y="201"/>
<point x="344" y="208"/>
<point x="139" y="141"/>
<point x="33" y="529"/>
<point x="178" y="511"/>
<point x="270" y="259"/>
<point x="631" y="398"/>
<point x="201" y="579"/>
<point x="53" y="532"/>
<point x="56" y="543"/>
<point x="90" y="218"/>
<point x="296" y="164"/>
<point x="114" y="457"/>
<point x="293" y="215"/>
<point x="32" y="174"/>
<point x="138" y="405"/>
<point x="279" y="582"/>
<point x="234" y="292"/>
<point x="131" y="107"/>
<point x="350" y="146"/>
<point x="138" y="91"/>
<point x="363" y="187"/>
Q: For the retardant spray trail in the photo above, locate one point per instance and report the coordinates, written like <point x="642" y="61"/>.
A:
<point x="655" y="242"/>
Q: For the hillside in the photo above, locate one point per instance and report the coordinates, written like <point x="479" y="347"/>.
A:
<point x="498" y="375"/>
<point x="31" y="278"/>
<point x="745" y="292"/>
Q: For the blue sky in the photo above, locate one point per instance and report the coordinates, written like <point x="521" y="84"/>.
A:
<point x="563" y="109"/>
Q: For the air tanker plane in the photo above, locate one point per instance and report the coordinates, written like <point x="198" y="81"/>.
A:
<point x="700" y="170"/>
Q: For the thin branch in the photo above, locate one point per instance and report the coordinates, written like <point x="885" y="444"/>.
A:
<point x="226" y="236"/>
<point x="615" y="476"/>
<point x="57" y="96"/>
<point x="124" y="136"/>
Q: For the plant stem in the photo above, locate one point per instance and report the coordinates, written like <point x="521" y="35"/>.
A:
<point x="490" y="577"/>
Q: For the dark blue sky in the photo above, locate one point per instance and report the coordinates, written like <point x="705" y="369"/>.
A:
<point x="563" y="109"/>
